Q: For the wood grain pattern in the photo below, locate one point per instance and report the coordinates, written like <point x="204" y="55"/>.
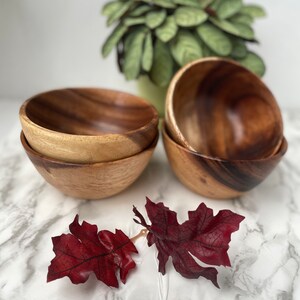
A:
<point x="87" y="125"/>
<point x="90" y="181"/>
<point x="217" y="178"/>
<point x="218" y="108"/>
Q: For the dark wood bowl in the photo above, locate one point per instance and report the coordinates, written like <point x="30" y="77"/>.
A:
<point x="218" y="108"/>
<point x="90" y="181"/>
<point x="88" y="125"/>
<point x="218" y="178"/>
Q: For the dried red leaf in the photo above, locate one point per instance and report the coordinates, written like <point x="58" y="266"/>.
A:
<point x="203" y="235"/>
<point x="86" y="250"/>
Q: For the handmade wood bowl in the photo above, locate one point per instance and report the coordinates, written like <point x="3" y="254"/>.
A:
<point x="218" y="108"/>
<point x="88" y="125"/>
<point x="90" y="181"/>
<point x="218" y="178"/>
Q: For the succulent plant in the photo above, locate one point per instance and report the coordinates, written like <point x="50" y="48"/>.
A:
<point x="157" y="37"/>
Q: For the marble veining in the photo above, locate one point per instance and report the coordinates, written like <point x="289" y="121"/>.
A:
<point x="265" y="253"/>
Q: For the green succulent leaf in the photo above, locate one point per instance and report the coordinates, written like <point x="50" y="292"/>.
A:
<point x="163" y="65"/>
<point x="161" y="3"/>
<point x="225" y="26"/>
<point x="127" y="40"/>
<point x="254" y="63"/>
<point x="155" y="18"/>
<point x="243" y="19"/>
<point x="254" y="11"/>
<point x="133" y="56"/>
<point x="189" y="16"/>
<point x="157" y="36"/>
<point x="185" y="48"/>
<point x="245" y="31"/>
<point x="134" y="21"/>
<point x="147" y="59"/>
<point x="113" y="39"/>
<point x="192" y="3"/>
<point x="205" y="3"/>
<point x="131" y="35"/>
<point x="167" y="30"/>
<point x="111" y="7"/>
<point x="215" y="4"/>
<point x="140" y="10"/>
<point x="207" y="52"/>
<point x="119" y="13"/>
<point x="239" y="49"/>
<point x="228" y="8"/>
<point x="237" y="29"/>
<point x="165" y="3"/>
<point x="215" y="39"/>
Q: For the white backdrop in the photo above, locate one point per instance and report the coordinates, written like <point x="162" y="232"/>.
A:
<point x="46" y="44"/>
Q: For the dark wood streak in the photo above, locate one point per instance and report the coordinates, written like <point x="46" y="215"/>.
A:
<point x="228" y="86"/>
<point x="88" y="125"/>
<point x="218" y="178"/>
<point x="204" y="104"/>
<point x="218" y="108"/>
<point x="88" y="111"/>
<point x="109" y="104"/>
<point x="223" y="90"/>
<point x="240" y="175"/>
<point x="90" y="181"/>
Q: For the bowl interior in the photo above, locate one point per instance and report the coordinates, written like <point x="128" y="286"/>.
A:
<point x="88" y="111"/>
<point x="223" y="110"/>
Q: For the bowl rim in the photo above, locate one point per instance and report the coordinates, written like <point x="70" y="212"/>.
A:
<point x="169" y="113"/>
<point x="280" y="152"/>
<point x="153" y="122"/>
<point x="29" y="149"/>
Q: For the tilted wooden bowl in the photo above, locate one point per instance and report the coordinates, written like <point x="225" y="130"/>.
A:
<point x="218" y="108"/>
<point x="87" y="125"/>
<point x="90" y="181"/>
<point x="217" y="178"/>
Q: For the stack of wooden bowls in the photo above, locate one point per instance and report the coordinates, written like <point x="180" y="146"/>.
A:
<point x="89" y="143"/>
<point x="223" y="132"/>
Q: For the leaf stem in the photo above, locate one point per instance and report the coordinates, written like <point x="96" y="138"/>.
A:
<point x="143" y="232"/>
<point x="211" y="12"/>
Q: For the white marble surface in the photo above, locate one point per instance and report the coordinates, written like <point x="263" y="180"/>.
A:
<point x="265" y="253"/>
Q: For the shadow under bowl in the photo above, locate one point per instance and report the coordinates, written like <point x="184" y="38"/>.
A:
<point x="218" y="178"/>
<point x="90" y="181"/>
<point x="218" y="108"/>
<point x="88" y="125"/>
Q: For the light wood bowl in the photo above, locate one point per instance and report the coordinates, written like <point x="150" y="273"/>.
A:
<point x="88" y="125"/>
<point x="217" y="178"/>
<point x="218" y="108"/>
<point x="90" y="181"/>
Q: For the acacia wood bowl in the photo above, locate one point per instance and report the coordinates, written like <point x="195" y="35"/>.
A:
<point x="218" y="178"/>
<point x="218" y="108"/>
<point x="88" y="125"/>
<point x="90" y="181"/>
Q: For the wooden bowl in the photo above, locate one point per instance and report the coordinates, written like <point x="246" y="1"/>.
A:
<point x="90" y="181"/>
<point x="218" y="108"/>
<point x="88" y="125"/>
<point x="218" y="178"/>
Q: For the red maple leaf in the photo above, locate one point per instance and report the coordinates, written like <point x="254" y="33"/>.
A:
<point x="86" y="250"/>
<point x="203" y="235"/>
